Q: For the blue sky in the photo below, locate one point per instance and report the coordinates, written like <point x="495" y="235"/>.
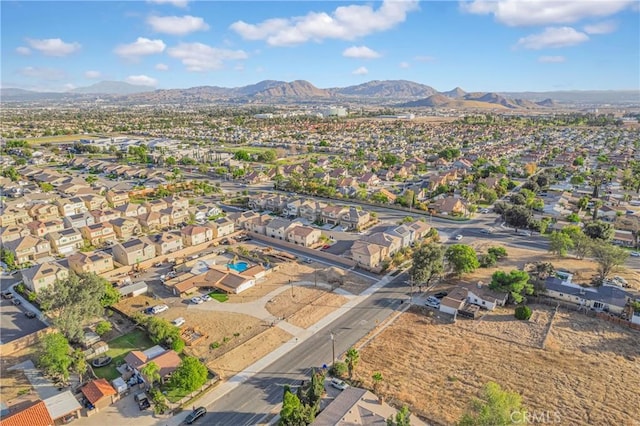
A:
<point x="498" y="45"/>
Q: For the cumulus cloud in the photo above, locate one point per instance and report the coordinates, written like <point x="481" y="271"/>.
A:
<point x="176" y="3"/>
<point x="53" y="46"/>
<point x="344" y="23"/>
<point x="553" y="37"/>
<point x="360" y="52"/>
<point x="544" y="12"/>
<point x="162" y="67"/>
<point x="42" y="73"/>
<point x="360" y="71"/>
<point x="551" y="59"/>
<point x="141" y="80"/>
<point x="92" y="74"/>
<point x="605" y="27"/>
<point x="404" y="65"/>
<point x="23" y="50"/>
<point x="141" y="47"/>
<point x="177" y="25"/>
<point x="199" y="57"/>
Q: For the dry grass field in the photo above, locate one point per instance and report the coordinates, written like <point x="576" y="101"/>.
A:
<point x="588" y="373"/>
<point x="304" y="306"/>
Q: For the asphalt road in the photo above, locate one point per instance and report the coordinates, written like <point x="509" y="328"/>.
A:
<point x="252" y="401"/>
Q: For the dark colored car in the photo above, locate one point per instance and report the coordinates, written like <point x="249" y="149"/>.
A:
<point x="101" y="362"/>
<point x="30" y="314"/>
<point x="195" y="415"/>
<point x="16" y="302"/>
<point x="440" y="295"/>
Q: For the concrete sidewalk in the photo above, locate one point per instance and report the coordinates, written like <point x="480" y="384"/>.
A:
<point x="299" y="336"/>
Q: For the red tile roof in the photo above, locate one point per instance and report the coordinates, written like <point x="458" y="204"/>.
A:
<point x="95" y="390"/>
<point x="35" y="415"/>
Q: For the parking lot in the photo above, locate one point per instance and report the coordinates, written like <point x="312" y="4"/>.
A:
<point x="15" y="324"/>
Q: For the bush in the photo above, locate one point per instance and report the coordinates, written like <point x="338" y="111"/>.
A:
<point x="488" y="260"/>
<point x="523" y="312"/>
<point x="338" y="369"/>
<point x="103" y="327"/>
<point x="214" y="345"/>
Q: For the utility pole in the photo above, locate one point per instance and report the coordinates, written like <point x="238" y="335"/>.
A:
<point x="333" y="348"/>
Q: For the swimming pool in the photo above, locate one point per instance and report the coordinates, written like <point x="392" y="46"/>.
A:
<point x="238" y="266"/>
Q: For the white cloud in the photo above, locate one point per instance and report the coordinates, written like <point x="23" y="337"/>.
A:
<point x="42" y="73"/>
<point x="345" y="23"/>
<point x="422" y="58"/>
<point x="176" y="3"/>
<point x="177" y="25"/>
<point x="162" y="67"/>
<point x="360" y="71"/>
<point x="141" y="80"/>
<point x="360" y="52"/>
<point x="544" y="12"/>
<point x="92" y="74"/>
<point x="199" y="57"/>
<point x="23" y="50"/>
<point x="404" y="65"/>
<point x="551" y="59"/>
<point x="553" y="37"/>
<point x="53" y="46"/>
<point x="142" y="46"/>
<point x="604" y="27"/>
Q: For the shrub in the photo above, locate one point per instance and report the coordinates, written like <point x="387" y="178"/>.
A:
<point x="523" y="312"/>
<point x="488" y="260"/>
<point x="103" y="327"/>
<point x="214" y="345"/>
<point x="338" y="369"/>
<point x="498" y="252"/>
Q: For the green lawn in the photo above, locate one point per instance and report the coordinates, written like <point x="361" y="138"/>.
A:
<point x="220" y="297"/>
<point x="119" y="348"/>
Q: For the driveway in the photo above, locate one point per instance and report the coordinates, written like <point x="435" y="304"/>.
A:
<point x="14" y="322"/>
<point x="123" y="412"/>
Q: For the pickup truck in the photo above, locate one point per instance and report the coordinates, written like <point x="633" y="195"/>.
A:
<point x="143" y="401"/>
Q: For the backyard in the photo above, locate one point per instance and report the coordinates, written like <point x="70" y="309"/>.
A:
<point x="119" y="348"/>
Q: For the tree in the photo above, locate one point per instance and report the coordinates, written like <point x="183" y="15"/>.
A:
<point x="190" y="375"/>
<point x="516" y="283"/>
<point x="8" y="257"/>
<point x="111" y="295"/>
<point x="377" y="379"/>
<point x="73" y="301"/>
<point x="292" y="412"/>
<point x="403" y="418"/>
<point x="339" y="369"/>
<point x="599" y="230"/>
<point x="495" y="407"/>
<point x="352" y="358"/>
<point x="560" y="243"/>
<point x="608" y="257"/>
<point x="518" y="216"/>
<point x="103" y="327"/>
<point x="462" y="258"/>
<point x="79" y="364"/>
<point x="170" y="161"/>
<point x="581" y="244"/>
<point x="152" y="372"/>
<point x="162" y="331"/>
<point x="498" y="252"/>
<point x="428" y="264"/>
<point x="53" y="355"/>
<point x="523" y="312"/>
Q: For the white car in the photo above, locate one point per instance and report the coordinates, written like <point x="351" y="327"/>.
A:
<point x="178" y="322"/>
<point x="196" y="300"/>
<point x="635" y="253"/>
<point x="458" y="237"/>
<point x="339" y="384"/>
<point x="432" y="302"/>
<point x="206" y="298"/>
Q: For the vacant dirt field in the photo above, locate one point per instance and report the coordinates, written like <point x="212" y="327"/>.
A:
<point x="14" y="383"/>
<point x="304" y="306"/>
<point x="588" y="374"/>
<point x="582" y="270"/>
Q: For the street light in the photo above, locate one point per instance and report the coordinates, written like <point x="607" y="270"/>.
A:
<point x="333" y="347"/>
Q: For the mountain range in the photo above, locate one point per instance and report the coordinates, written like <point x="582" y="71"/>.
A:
<point x="392" y="93"/>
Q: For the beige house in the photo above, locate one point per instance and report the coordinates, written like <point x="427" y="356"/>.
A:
<point x="70" y="206"/>
<point x="85" y="263"/>
<point x="368" y="254"/>
<point x="166" y="243"/>
<point x="450" y="206"/>
<point x="125" y="227"/>
<point x="224" y="227"/>
<point x="11" y="233"/>
<point x="193" y="235"/>
<point x="278" y="227"/>
<point x="94" y="202"/>
<point x="153" y="221"/>
<point x="101" y="216"/>
<point x="40" y="276"/>
<point x="155" y="205"/>
<point x="176" y="215"/>
<point x="303" y="235"/>
<point x="177" y="202"/>
<point x="117" y="198"/>
<point x="355" y="219"/>
<point x="131" y="210"/>
<point x="29" y="249"/>
<point x="66" y="241"/>
<point x="98" y="233"/>
<point x="333" y="214"/>
<point x="134" y="251"/>
<point x="44" y="212"/>
<point x="15" y="216"/>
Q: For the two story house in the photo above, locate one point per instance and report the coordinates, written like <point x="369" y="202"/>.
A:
<point x="95" y="262"/>
<point x="98" y="233"/>
<point x="134" y="251"/>
<point x="44" y="275"/>
<point x="40" y="229"/>
<point x="303" y="235"/>
<point x="70" y="206"/>
<point x="125" y="227"/>
<point x="29" y="249"/>
<point x="117" y="198"/>
<point x="193" y="235"/>
<point x="166" y="242"/>
<point x="66" y="241"/>
<point x="44" y="212"/>
<point x="79" y="220"/>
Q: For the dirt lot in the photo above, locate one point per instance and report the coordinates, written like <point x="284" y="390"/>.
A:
<point x="588" y="374"/>
<point x="582" y="270"/>
<point x="14" y="383"/>
<point x="304" y="306"/>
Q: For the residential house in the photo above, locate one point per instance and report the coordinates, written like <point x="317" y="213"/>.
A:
<point x="44" y="212"/>
<point x="355" y="218"/>
<point x="391" y="242"/>
<point x="94" y="201"/>
<point x="154" y="221"/>
<point x="333" y="214"/>
<point x="117" y="198"/>
<point x="125" y="227"/>
<point x="101" y="216"/>
<point x="607" y="298"/>
<point x="66" y="241"/>
<point x="369" y="179"/>
<point x="481" y="295"/>
<point x="420" y="230"/>
<point x="177" y="215"/>
<point x="368" y="255"/>
<point x="311" y="210"/>
<point x="131" y="210"/>
<point x="450" y="206"/>
<point x="99" y="393"/>
<point x="258" y="224"/>
<point x="14" y="216"/>
<point x="240" y="219"/>
<point x="403" y="232"/>
<point x="98" y="233"/>
<point x="623" y="238"/>
<point x="277" y="228"/>
<point x="166" y="242"/>
<point x="95" y="262"/>
<point x="303" y="235"/>
<point x="40" y="229"/>
<point x="44" y="275"/>
<point x="134" y="251"/>
<point x="11" y="233"/>
<point x="177" y="202"/>
<point x="292" y="208"/>
<point x="391" y="197"/>
<point x="35" y="414"/>
<point x="29" y="249"/>
<point x="156" y="205"/>
<point x="73" y="189"/>
<point x="79" y="220"/>
<point x="193" y="235"/>
<point x="69" y="206"/>
<point x="166" y="360"/>
<point x="224" y="227"/>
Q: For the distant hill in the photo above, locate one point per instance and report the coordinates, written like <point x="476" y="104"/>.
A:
<point x="112" y="88"/>
<point x="261" y="86"/>
<point x="386" y="89"/>
<point x="299" y="89"/>
<point x="489" y="100"/>
<point x="456" y="93"/>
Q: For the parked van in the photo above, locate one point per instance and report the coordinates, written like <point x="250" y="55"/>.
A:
<point x="159" y="308"/>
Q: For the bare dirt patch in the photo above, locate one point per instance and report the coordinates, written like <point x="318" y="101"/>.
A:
<point x="304" y="306"/>
<point x="588" y="375"/>
<point x="14" y="383"/>
<point x="240" y="358"/>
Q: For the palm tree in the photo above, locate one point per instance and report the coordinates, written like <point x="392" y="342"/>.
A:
<point x="377" y="379"/>
<point x="596" y="205"/>
<point x="152" y="372"/>
<point x="79" y="363"/>
<point x="352" y="358"/>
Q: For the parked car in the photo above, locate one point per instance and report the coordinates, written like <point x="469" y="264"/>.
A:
<point x="178" y="322"/>
<point x="157" y="264"/>
<point x="486" y="231"/>
<point x="326" y="246"/>
<point x="101" y="362"/>
<point x="16" y="302"/>
<point x="339" y="384"/>
<point x="195" y="415"/>
<point x="7" y="295"/>
<point x="635" y="253"/>
<point x="143" y="401"/>
<point x="196" y="300"/>
<point x="159" y="308"/>
<point x="308" y="260"/>
<point x="206" y="298"/>
<point x="432" y="302"/>
<point x="30" y="314"/>
<point x="458" y="237"/>
<point x="440" y="295"/>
